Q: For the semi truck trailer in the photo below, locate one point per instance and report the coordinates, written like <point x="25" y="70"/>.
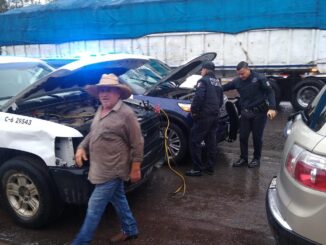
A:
<point x="284" y="39"/>
<point x="293" y="59"/>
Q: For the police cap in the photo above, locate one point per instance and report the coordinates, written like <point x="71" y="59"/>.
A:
<point x="209" y="65"/>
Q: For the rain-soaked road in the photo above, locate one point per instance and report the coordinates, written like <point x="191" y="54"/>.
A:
<point x="226" y="208"/>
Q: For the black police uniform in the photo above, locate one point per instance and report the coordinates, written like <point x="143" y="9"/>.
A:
<point x="205" y="109"/>
<point x="256" y="97"/>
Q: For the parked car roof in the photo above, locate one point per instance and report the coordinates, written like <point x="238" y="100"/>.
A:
<point x="16" y="59"/>
<point x="18" y="73"/>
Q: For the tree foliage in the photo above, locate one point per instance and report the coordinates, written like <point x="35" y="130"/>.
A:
<point x="3" y="6"/>
<point x="10" y="4"/>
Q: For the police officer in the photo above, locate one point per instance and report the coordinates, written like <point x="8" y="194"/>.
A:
<point x="257" y="102"/>
<point x="205" y="109"/>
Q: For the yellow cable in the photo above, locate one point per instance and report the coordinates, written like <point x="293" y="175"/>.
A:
<point x="183" y="186"/>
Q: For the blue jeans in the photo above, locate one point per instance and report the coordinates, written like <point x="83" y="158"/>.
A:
<point x="111" y="191"/>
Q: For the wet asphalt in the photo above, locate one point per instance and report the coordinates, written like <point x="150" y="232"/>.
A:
<point x="225" y="208"/>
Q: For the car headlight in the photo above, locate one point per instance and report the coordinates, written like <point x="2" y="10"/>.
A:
<point x="184" y="106"/>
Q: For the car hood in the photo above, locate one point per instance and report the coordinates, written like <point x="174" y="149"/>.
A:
<point x="179" y="74"/>
<point x="76" y="75"/>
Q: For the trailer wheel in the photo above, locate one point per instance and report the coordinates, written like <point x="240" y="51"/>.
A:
<point x="26" y="192"/>
<point x="304" y="92"/>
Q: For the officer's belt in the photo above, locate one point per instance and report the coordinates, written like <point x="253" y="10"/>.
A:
<point x="252" y="109"/>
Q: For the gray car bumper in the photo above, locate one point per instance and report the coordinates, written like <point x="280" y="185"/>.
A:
<point x="281" y="229"/>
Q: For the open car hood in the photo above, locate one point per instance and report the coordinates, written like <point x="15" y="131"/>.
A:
<point x="76" y="75"/>
<point x="179" y="74"/>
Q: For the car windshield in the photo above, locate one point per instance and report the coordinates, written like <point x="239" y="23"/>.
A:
<point x="315" y="114"/>
<point x="14" y="77"/>
<point x="146" y="76"/>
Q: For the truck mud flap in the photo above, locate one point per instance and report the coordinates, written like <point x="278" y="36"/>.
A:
<point x="234" y="120"/>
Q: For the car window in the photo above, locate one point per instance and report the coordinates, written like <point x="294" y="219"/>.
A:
<point x="315" y="114"/>
<point x="146" y="76"/>
<point x="14" y="77"/>
<point x="161" y="68"/>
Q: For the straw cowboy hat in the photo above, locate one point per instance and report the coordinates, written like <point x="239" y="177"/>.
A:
<point x="109" y="80"/>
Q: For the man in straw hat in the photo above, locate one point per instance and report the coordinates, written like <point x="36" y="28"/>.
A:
<point x="115" y="147"/>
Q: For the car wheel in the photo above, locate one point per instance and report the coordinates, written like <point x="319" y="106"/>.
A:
<point x="26" y="192"/>
<point x="305" y="92"/>
<point x="177" y="142"/>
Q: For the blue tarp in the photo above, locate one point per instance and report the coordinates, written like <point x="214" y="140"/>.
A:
<point x="76" y="20"/>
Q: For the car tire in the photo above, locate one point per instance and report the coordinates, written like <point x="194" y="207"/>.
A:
<point x="304" y="92"/>
<point x="177" y="142"/>
<point x="26" y="192"/>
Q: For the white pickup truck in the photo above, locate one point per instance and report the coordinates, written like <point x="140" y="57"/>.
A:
<point x="44" y="115"/>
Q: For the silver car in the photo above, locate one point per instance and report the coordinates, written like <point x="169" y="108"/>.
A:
<point x="296" y="198"/>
